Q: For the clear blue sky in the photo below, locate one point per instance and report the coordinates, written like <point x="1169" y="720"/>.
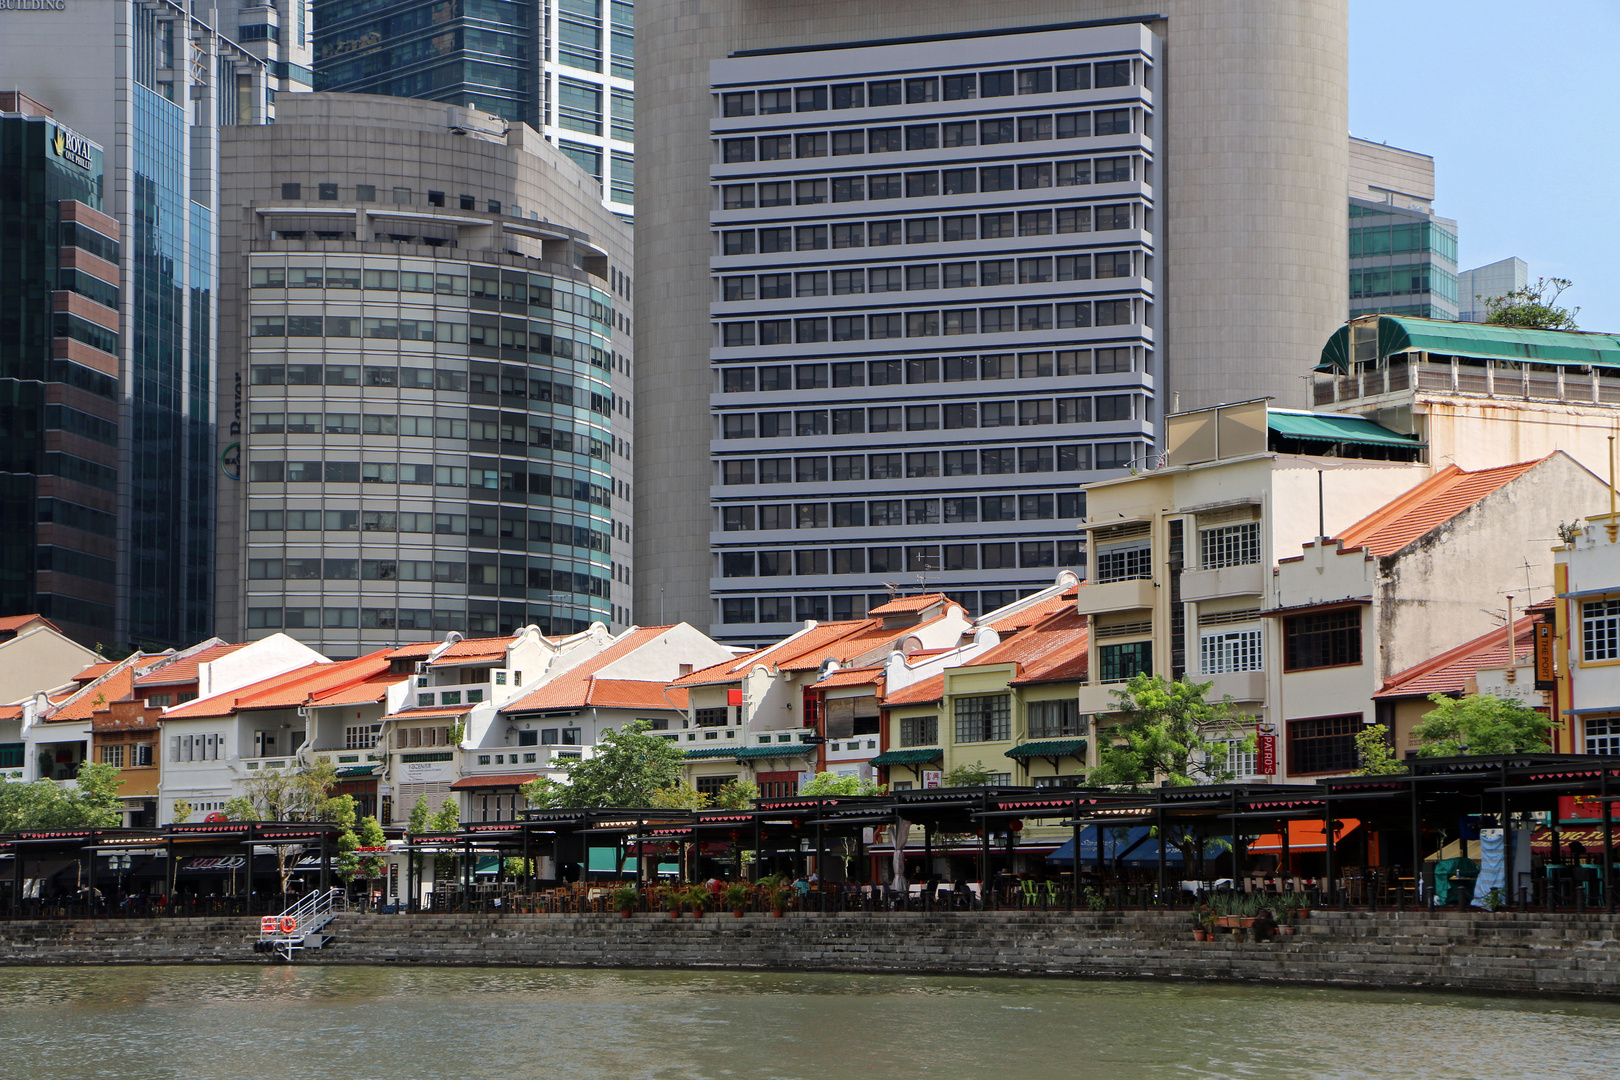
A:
<point x="1517" y="103"/>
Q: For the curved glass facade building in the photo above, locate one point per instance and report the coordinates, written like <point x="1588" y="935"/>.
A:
<point x="427" y="341"/>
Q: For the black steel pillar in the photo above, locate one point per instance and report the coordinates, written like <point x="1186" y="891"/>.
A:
<point x="1608" y="839"/>
<point x="1074" y="862"/>
<point x="1158" y="827"/>
<point x="1327" y="848"/>
<point x="90" y="878"/>
<point x="326" y="862"/>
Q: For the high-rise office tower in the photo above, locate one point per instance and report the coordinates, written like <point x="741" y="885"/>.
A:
<point x="153" y="82"/>
<point x="58" y="375"/>
<point x="566" y="69"/>
<point x="279" y="32"/>
<point x="1488" y="282"/>
<point x="1062" y="223"/>
<point x="1403" y="256"/>
<point x="422" y="329"/>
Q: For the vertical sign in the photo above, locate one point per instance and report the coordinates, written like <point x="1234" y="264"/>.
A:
<point x="931" y="778"/>
<point x="1546" y="676"/>
<point x="393" y="880"/>
<point x="1267" y="754"/>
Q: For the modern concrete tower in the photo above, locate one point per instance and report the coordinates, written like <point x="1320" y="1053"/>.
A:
<point x="425" y="378"/>
<point x="1247" y="157"/>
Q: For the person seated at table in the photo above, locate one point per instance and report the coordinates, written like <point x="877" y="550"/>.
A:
<point x="802" y="885"/>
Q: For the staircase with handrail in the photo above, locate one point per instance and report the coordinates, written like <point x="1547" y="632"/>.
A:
<point x="300" y="926"/>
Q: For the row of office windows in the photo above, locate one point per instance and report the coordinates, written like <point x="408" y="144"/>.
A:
<point x="510" y="382"/>
<point x="917" y="558"/>
<point x="558" y="618"/>
<point x="1023" y="412"/>
<point x="919" y="370"/>
<point x="920" y="89"/>
<point x="327" y="569"/>
<point x="889" y="512"/>
<point x="1107" y="217"/>
<point x="488" y="529"/>
<point x="988" y="718"/>
<point x="516" y="430"/>
<point x="544" y="339"/>
<point x="1001" y="461"/>
<point x="293" y="191"/>
<point x="996" y="131"/>
<point x="784" y="609"/>
<point x="354" y="277"/>
<point x="949" y="322"/>
<point x="911" y="277"/>
<point x="502" y="478"/>
<point x="1404" y="281"/>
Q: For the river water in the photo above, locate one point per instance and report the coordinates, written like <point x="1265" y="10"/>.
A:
<point x="274" y="1022"/>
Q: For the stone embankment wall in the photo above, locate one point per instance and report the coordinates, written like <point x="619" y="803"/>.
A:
<point x="1566" y="954"/>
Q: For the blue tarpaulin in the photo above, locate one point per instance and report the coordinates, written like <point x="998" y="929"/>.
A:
<point x="1133" y="842"/>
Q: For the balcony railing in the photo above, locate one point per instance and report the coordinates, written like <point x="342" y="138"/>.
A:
<point x="1487" y="379"/>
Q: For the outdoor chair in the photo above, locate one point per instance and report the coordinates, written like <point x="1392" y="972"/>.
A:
<point x="1031" y="893"/>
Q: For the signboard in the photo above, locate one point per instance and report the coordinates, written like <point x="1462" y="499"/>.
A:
<point x="33" y="5"/>
<point x="214" y="865"/>
<point x="931" y="778"/>
<point x="72" y="148"/>
<point x="1546" y="674"/>
<point x="427" y="772"/>
<point x="1266" y="754"/>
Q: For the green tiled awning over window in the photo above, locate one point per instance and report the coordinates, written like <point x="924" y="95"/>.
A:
<point x="350" y="771"/>
<point x="908" y="757"/>
<point x="1397" y="335"/>
<point x="749" y="753"/>
<point x="1323" y="427"/>
<point x="1049" y="748"/>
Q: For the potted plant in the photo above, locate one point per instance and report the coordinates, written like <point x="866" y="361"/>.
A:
<point x="672" y="900"/>
<point x="697" y="897"/>
<point x="780" y="895"/>
<point x="736" y="895"/>
<point x="625" y="898"/>
<point x="1203" y="922"/>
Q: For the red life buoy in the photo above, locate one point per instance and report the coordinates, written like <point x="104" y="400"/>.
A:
<point x="268" y="924"/>
<point x="288" y="924"/>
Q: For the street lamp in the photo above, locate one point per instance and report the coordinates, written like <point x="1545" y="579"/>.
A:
<point x="121" y="862"/>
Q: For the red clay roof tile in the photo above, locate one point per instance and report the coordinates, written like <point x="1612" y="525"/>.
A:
<point x="1449" y="672"/>
<point x="184" y="670"/>
<point x="1428" y="505"/>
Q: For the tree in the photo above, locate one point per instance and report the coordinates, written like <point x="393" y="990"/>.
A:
<point x="1532" y="307"/>
<point x="372" y="866"/>
<point x="629" y="766"/>
<point x="1372" y="750"/>
<point x="181" y="812"/>
<point x="830" y="784"/>
<point x="46" y="804"/>
<point x="1170" y="731"/>
<point x="680" y="796"/>
<point x="446" y="820"/>
<point x="737" y="795"/>
<point x="301" y="794"/>
<point x="421" y="815"/>
<point x="1482" y="724"/>
<point x="977" y="774"/>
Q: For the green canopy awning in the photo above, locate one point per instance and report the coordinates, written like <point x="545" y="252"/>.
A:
<point x="908" y="757"/>
<point x="1398" y="334"/>
<point x="1049" y="748"/>
<point x="1328" y="427"/>
<point x="749" y="753"/>
<point x="348" y="772"/>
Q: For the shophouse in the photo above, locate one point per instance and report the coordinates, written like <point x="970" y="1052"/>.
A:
<point x="35" y="655"/>
<point x="758" y="717"/>
<point x="1586" y="640"/>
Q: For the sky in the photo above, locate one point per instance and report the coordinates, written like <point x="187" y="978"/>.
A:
<point x="1519" y="105"/>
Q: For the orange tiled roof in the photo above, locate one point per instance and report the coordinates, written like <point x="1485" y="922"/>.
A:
<point x="95" y="671"/>
<point x="902" y="604"/>
<point x="11" y="712"/>
<point x="91" y="699"/>
<point x="366" y="692"/>
<point x="416" y="650"/>
<point x="1048" y="651"/>
<point x="572" y="689"/>
<point x="1432" y="503"/>
<point x="871" y="675"/>
<point x="471" y="649"/>
<point x="184" y="670"/>
<point x="1036" y="612"/>
<point x="723" y="672"/>
<point x="929" y="690"/>
<point x="286" y="690"/>
<point x="17" y="622"/>
<point x="868" y="637"/>
<point x="1449" y="672"/>
<point x="445" y="712"/>
<point x="634" y="694"/>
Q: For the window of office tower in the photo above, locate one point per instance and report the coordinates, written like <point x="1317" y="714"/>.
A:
<point x="969" y="243"/>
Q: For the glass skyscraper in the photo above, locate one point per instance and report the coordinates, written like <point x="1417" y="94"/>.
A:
<point x="153" y="84"/>
<point x="566" y="69"/>
<point x="58" y="366"/>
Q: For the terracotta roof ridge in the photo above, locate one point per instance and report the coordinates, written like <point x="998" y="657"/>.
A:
<point x="1491" y="639"/>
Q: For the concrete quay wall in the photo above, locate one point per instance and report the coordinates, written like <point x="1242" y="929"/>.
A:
<point x="1563" y="954"/>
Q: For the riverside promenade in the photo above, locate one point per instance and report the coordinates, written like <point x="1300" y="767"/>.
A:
<point x="1575" y="954"/>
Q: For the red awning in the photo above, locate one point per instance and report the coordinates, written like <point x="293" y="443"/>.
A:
<point x="1303" y="835"/>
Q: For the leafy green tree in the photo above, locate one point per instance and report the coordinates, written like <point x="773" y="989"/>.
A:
<point x="1482" y="724"/>
<point x="1168" y="730"/>
<point x="737" y="795"/>
<point x="1374" y="753"/>
<point x="447" y="819"/>
<point x="181" y="813"/>
<point x="46" y="804"/>
<point x="628" y="768"/>
<point x="826" y="783"/>
<point x="372" y="867"/>
<point x="421" y="815"/>
<point x="1533" y="307"/>
<point x="977" y="774"/>
<point x="301" y="794"/>
<point x="681" y="796"/>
